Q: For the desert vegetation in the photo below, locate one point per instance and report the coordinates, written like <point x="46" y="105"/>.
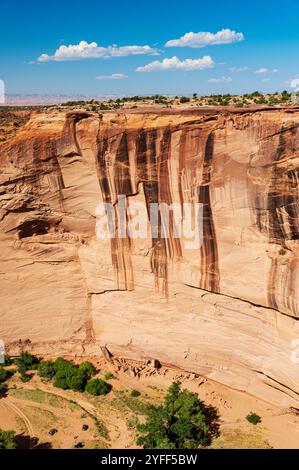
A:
<point x="182" y="422"/>
<point x="79" y="405"/>
<point x="255" y="98"/>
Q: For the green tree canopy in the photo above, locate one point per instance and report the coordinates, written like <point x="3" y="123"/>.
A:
<point x="7" y="439"/>
<point x="183" y="422"/>
<point x="98" y="387"/>
<point x="88" y="368"/>
<point x="46" y="369"/>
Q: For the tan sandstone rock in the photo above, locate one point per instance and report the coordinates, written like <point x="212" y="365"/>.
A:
<point x="228" y="309"/>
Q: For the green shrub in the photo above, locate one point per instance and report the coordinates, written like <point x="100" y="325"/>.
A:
<point x="3" y="389"/>
<point x="25" y="377"/>
<point x="22" y="369"/>
<point x="97" y="387"/>
<point x="7" y="361"/>
<point x="65" y="371"/>
<point x="60" y="380"/>
<point x="183" y="422"/>
<point x="88" y="369"/>
<point x="27" y="360"/>
<point x="46" y="369"/>
<point x="253" y="418"/>
<point x="184" y="99"/>
<point x="135" y="393"/>
<point x="61" y="364"/>
<point x="7" y="439"/>
<point x="70" y="376"/>
<point x="4" y="374"/>
<point x="109" y="376"/>
<point x="77" y="381"/>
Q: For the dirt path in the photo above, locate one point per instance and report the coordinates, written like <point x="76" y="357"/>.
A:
<point x="14" y="408"/>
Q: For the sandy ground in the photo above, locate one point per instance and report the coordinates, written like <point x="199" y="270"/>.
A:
<point x="32" y="409"/>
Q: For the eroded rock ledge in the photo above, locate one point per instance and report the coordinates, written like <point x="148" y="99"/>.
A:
<point x="228" y="310"/>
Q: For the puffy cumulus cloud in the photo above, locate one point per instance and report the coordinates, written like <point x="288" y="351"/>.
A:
<point x="203" y="39"/>
<point x="92" y="50"/>
<point x="266" y="70"/>
<point x="174" y="63"/>
<point x="113" y="76"/>
<point x="220" y="80"/>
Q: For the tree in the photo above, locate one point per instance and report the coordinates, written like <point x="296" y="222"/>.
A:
<point x="60" y="380"/>
<point x="46" y="369"/>
<point x="64" y="371"/>
<point x="77" y="381"/>
<point x="98" y="387"/>
<point x="184" y="99"/>
<point x="27" y="360"/>
<point x="253" y="418"/>
<point x="194" y="96"/>
<point x="68" y="375"/>
<point x="183" y="422"/>
<point x="7" y="439"/>
<point x="88" y="369"/>
<point x="4" y="374"/>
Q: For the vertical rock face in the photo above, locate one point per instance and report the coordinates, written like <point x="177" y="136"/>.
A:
<point x="227" y="308"/>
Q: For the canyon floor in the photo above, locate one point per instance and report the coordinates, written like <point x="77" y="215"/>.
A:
<point x="32" y="409"/>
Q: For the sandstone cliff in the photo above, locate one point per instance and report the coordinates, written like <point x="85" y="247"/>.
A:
<point x="228" y="310"/>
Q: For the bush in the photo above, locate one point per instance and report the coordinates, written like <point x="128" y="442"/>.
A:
<point x="64" y="373"/>
<point x="109" y="376"/>
<point x="135" y="393"/>
<point x="4" y="374"/>
<point x="7" y="361"/>
<point x="61" y="363"/>
<point x="70" y="376"/>
<point x="25" y="377"/>
<point x="88" y="369"/>
<point x="183" y="422"/>
<point x="97" y="387"/>
<point x="184" y="99"/>
<point x="3" y="390"/>
<point x="253" y="418"/>
<point x="77" y="381"/>
<point x="27" y="360"/>
<point x="7" y="439"/>
<point x="61" y="381"/>
<point x="46" y="369"/>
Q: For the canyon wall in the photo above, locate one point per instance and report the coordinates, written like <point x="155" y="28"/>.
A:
<point x="227" y="309"/>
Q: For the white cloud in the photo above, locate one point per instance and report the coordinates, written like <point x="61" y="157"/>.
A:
<point x="239" y="69"/>
<point x="265" y="70"/>
<point x="203" y="39"/>
<point x="85" y="50"/>
<point x="266" y="80"/>
<point x="295" y="84"/>
<point x="220" y="80"/>
<point x="113" y="76"/>
<point x="174" y="63"/>
<point x="262" y="70"/>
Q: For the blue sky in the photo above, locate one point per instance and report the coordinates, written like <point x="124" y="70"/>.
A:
<point x="29" y="29"/>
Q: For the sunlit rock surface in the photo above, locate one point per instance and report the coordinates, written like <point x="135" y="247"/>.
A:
<point x="227" y="309"/>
